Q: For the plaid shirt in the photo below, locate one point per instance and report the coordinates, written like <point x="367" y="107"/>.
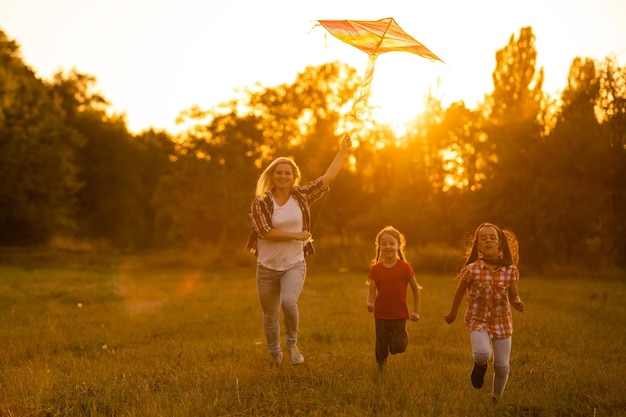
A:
<point x="262" y="209"/>
<point x="488" y="306"/>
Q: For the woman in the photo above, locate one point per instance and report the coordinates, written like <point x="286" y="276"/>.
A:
<point x="281" y="238"/>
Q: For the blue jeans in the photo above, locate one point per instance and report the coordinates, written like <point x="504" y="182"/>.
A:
<point x="276" y="289"/>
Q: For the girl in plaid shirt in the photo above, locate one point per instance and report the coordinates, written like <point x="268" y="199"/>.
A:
<point x="489" y="282"/>
<point x="281" y="238"/>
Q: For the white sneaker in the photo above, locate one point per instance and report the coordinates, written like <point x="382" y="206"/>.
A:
<point x="276" y="360"/>
<point x="295" y="356"/>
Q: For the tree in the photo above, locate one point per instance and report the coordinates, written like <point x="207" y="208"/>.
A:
<point x="578" y="177"/>
<point x="464" y="152"/>
<point x="38" y="172"/>
<point x="204" y="198"/>
<point x="514" y="128"/>
<point x="611" y="109"/>
<point x="118" y="171"/>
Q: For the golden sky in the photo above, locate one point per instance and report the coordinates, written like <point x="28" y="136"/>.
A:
<point x="154" y="58"/>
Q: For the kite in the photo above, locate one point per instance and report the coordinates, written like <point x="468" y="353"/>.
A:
<point x="375" y="37"/>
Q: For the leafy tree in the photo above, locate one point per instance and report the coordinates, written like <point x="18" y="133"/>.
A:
<point x="206" y="196"/>
<point x="109" y="203"/>
<point x="577" y="184"/>
<point x="515" y="130"/>
<point x="465" y="155"/>
<point x="611" y="109"/>
<point x="301" y="119"/>
<point x="38" y="173"/>
<point x="155" y="151"/>
<point x="118" y="171"/>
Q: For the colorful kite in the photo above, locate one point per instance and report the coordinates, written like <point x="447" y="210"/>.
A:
<point x="375" y="37"/>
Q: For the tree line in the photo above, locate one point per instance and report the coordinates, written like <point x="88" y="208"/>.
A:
<point x="552" y="169"/>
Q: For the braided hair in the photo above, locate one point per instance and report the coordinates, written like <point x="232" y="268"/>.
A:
<point x="390" y="230"/>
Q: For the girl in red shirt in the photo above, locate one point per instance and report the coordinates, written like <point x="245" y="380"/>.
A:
<point x="389" y="277"/>
<point x="488" y="281"/>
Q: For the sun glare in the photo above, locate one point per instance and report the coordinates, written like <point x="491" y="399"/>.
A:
<point x="392" y="106"/>
<point x="454" y="171"/>
<point x="400" y="85"/>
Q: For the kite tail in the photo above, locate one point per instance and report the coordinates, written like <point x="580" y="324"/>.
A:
<point x="365" y="85"/>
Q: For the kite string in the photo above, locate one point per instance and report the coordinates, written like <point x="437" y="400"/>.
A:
<point x="366" y="84"/>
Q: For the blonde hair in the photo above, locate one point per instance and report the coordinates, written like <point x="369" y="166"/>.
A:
<point x="264" y="183"/>
<point x="395" y="233"/>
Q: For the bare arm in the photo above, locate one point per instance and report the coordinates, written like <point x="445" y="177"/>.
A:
<point x="276" y="234"/>
<point x="456" y="301"/>
<point x="516" y="301"/>
<point x="371" y="296"/>
<point x="415" y="315"/>
<point x="335" y="166"/>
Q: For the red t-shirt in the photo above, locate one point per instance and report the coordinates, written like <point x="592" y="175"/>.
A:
<point x="391" y="288"/>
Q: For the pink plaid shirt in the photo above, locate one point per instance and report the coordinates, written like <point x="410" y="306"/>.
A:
<point x="488" y="306"/>
<point x="262" y="209"/>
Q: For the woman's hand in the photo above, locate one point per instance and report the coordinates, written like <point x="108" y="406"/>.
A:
<point x="335" y="166"/>
<point x="346" y="142"/>
<point x="303" y="235"/>
<point x="415" y="316"/>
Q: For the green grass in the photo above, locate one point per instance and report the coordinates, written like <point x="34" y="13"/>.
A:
<point x="84" y="337"/>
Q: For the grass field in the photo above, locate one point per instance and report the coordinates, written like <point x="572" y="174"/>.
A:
<point x="122" y="338"/>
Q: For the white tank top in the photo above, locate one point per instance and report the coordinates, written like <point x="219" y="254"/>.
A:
<point x="282" y="254"/>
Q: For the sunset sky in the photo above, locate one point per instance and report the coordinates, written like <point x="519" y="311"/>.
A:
<point x="154" y="58"/>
